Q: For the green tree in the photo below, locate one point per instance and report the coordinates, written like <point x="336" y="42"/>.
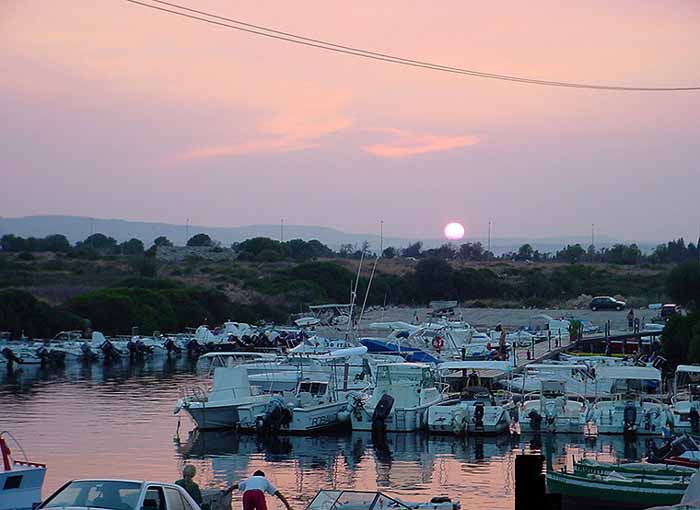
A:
<point x="413" y="250"/>
<point x="525" y="252"/>
<point x="200" y="240"/>
<point x="131" y="247"/>
<point x="162" y="241"/>
<point x="389" y="252"/>
<point x="683" y="284"/>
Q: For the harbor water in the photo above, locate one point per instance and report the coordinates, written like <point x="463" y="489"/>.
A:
<point x="117" y="421"/>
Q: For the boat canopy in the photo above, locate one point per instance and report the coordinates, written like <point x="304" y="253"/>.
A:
<point x="344" y="353"/>
<point x="557" y="366"/>
<point x="690" y="369"/>
<point x="641" y="373"/>
<point x="504" y="366"/>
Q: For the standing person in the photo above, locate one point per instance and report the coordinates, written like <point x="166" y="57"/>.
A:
<point x="254" y="489"/>
<point x="630" y="319"/>
<point x="187" y="482"/>
<point x="502" y="344"/>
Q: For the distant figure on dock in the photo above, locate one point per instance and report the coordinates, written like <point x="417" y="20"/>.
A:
<point x="254" y="489"/>
<point x="416" y="318"/>
<point x="630" y="319"/>
<point x="187" y="482"/>
<point x="502" y="345"/>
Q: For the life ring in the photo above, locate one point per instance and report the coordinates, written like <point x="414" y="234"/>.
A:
<point x="438" y="343"/>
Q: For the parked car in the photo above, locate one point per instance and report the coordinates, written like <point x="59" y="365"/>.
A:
<point x="120" y="495"/>
<point x="607" y="303"/>
<point x="670" y="310"/>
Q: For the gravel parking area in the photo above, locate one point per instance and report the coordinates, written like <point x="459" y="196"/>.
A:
<point x="508" y="317"/>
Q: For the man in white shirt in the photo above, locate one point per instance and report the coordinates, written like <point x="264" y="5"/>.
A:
<point x="254" y="489"/>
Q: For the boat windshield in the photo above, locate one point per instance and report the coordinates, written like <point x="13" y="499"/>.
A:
<point x="114" y="495"/>
<point x="353" y="500"/>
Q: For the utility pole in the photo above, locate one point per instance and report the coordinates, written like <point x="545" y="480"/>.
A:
<point x="488" y="242"/>
<point x="282" y="230"/>
<point x="593" y="235"/>
<point x="187" y="231"/>
<point x="381" y="237"/>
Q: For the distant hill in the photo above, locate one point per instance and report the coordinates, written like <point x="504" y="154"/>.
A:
<point x="77" y="228"/>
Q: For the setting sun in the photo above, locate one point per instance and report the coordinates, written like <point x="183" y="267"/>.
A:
<point x="454" y="231"/>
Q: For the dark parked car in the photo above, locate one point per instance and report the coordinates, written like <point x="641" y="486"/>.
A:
<point x="607" y="303"/>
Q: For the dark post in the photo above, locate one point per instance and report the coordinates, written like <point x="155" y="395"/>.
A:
<point x="549" y="339"/>
<point x="529" y="482"/>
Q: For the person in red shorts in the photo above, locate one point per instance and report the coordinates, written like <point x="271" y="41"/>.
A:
<point x="254" y="489"/>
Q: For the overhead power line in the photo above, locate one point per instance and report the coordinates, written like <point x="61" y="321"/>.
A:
<point x="214" y="19"/>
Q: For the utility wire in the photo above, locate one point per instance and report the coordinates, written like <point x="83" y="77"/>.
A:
<point x="358" y="52"/>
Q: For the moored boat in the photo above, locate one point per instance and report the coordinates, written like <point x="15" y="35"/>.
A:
<point x="637" y="484"/>
<point x="20" y="480"/>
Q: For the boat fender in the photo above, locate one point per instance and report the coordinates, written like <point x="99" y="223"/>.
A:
<point x="381" y="413"/>
<point x="694" y="419"/>
<point x="479" y="415"/>
<point x="460" y="424"/>
<point x="630" y="417"/>
<point x="535" y="420"/>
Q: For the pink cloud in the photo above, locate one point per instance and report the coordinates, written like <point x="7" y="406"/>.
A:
<point x="270" y="146"/>
<point x="407" y="143"/>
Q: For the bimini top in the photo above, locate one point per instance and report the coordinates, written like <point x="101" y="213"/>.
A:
<point x="503" y="366"/>
<point x="641" y="373"/>
<point x="353" y="500"/>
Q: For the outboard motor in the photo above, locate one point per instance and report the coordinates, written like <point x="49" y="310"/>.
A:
<point x="277" y="415"/>
<point x="194" y="349"/>
<point x="535" y="420"/>
<point x="109" y="352"/>
<point x="694" y="419"/>
<point x="630" y="418"/>
<point x="171" y="346"/>
<point x="479" y="415"/>
<point x="381" y="413"/>
<point x="87" y="353"/>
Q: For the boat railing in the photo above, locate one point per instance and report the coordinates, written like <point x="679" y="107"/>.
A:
<point x="195" y="392"/>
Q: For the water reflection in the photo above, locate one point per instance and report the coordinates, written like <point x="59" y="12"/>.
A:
<point x="116" y="421"/>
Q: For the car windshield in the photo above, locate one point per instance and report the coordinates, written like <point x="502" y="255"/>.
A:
<point x="97" y="494"/>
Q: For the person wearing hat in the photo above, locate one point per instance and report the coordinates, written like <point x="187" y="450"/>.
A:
<point x="254" y="489"/>
<point x="187" y="482"/>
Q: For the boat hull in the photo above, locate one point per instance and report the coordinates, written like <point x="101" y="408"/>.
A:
<point x="400" y="420"/>
<point x="636" y="493"/>
<point x="27" y="492"/>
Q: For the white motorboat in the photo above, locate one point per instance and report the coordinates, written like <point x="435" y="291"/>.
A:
<point x="218" y="407"/>
<point x="20" y="480"/>
<point x="552" y="409"/>
<point x="313" y="406"/>
<point x="400" y="401"/>
<point x="477" y="410"/>
<point x="631" y="409"/>
<point x="366" y="500"/>
<point x="685" y="402"/>
<point x="577" y="378"/>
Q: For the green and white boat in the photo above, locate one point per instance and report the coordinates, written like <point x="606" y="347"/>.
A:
<point x="634" y="484"/>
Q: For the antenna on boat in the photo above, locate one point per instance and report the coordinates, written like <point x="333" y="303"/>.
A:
<point x="353" y="295"/>
<point x="369" y="285"/>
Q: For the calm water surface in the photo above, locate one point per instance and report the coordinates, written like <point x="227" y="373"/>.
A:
<point x="117" y="421"/>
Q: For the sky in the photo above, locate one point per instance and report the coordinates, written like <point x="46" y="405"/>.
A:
<point x="113" y="110"/>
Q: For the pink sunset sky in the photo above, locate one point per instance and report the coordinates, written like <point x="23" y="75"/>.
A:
<point x="113" y="110"/>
